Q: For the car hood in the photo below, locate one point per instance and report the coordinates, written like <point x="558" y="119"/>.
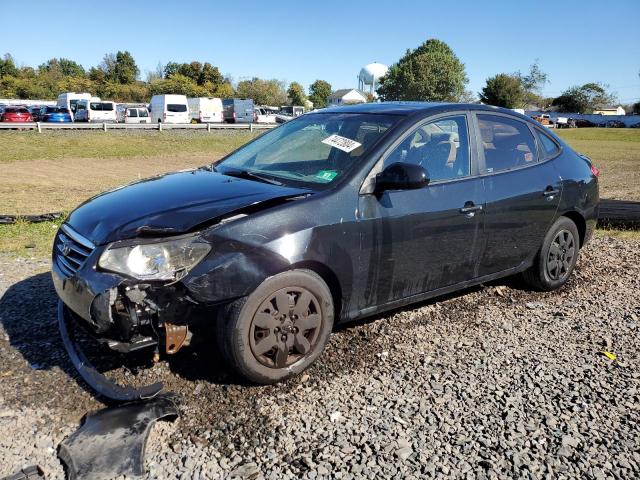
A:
<point x="170" y="204"/>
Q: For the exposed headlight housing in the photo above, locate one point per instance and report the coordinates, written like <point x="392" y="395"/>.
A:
<point x="168" y="260"/>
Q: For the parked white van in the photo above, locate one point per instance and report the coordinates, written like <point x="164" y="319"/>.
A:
<point x="133" y="114"/>
<point x="95" y="111"/>
<point x="170" y="109"/>
<point x="205" y="109"/>
<point x="69" y="100"/>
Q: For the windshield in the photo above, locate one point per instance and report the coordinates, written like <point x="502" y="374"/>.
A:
<point x="315" y="149"/>
<point x="56" y="110"/>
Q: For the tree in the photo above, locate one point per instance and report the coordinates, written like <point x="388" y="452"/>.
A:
<point x="120" y="68"/>
<point x="8" y="66"/>
<point x="532" y="84"/>
<point x="63" y="67"/>
<point x="263" y="92"/>
<point x="584" y="99"/>
<point x="431" y="72"/>
<point x="503" y="90"/>
<point x="296" y="94"/>
<point x="319" y="92"/>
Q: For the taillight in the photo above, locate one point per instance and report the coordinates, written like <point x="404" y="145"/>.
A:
<point x="595" y="171"/>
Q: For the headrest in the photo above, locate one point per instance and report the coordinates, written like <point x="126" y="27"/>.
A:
<point x="486" y="133"/>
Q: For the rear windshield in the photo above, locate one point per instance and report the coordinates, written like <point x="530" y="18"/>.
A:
<point x="56" y="110"/>
<point x="16" y="110"/>
<point x="103" y="106"/>
<point x="176" y="107"/>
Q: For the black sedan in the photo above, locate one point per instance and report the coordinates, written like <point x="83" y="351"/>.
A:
<point x="331" y="217"/>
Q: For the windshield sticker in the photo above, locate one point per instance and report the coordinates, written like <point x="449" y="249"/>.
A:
<point x="326" y="175"/>
<point x="341" y="143"/>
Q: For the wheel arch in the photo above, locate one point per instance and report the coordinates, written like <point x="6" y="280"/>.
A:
<point x="328" y="276"/>
<point x="581" y="223"/>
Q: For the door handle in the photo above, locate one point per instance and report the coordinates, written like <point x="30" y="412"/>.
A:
<point x="470" y="209"/>
<point x="550" y="192"/>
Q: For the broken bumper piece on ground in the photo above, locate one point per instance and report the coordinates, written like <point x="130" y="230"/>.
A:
<point x="111" y="443"/>
<point x="99" y="382"/>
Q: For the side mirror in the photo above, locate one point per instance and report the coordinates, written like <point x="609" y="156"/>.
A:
<point x="401" y="176"/>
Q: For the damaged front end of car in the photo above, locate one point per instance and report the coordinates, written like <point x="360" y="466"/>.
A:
<point x="127" y="295"/>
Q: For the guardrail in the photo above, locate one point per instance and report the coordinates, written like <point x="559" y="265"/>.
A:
<point x="40" y="126"/>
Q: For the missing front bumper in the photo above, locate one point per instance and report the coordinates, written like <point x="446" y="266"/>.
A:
<point x="96" y="380"/>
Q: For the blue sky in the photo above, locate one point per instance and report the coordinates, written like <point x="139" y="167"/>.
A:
<point x="575" y="41"/>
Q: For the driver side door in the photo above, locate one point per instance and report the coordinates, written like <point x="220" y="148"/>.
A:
<point x="417" y="241"/>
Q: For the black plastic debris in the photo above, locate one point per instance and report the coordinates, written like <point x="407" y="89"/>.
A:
<point x="99" y="382"/>
<point x="33" y="472"/>
<point x="112" y="441"/>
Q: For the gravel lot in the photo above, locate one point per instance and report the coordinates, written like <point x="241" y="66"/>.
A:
<point x="493" y="382"/>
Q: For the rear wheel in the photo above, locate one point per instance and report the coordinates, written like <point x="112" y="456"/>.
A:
<point x="557" y="257"/>
<point x="279" y="329"/>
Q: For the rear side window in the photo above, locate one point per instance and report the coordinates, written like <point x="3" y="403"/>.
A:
<point x="101" y="106"/>
<point x="506" y="143"/>
<point x="549" y="147"/>
<point x="176" y="107"/>
<point x="133" y="112"/>
<point x="143" y="113"/>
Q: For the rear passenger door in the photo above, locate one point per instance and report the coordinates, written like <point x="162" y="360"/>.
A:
<point x="522" y="189"/>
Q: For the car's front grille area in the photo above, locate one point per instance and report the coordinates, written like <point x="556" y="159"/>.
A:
<point x="70" y="250"/>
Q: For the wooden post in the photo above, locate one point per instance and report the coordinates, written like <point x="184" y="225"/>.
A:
<point x="208" y="127"/>
<point x="104" y="126"/>
<point x="251" y="127"/>
<point x="39" y="128"/>
<point x="160" y="126"/>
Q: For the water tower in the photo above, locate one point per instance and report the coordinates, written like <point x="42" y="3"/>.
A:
<point x="369" y="77"/>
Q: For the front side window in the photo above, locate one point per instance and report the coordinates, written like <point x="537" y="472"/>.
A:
<point x="133" y="112"/>
<point x="313" y="150"/>
<point x="176" y="107"/>
<point x="506" y="143"/>
<point x="440" y="146"/>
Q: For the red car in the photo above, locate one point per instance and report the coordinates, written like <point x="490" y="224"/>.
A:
<point x="16" y="114"/>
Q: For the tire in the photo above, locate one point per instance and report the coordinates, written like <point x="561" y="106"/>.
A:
<point x="266" y="345"/>
<point x="556" y="259"/>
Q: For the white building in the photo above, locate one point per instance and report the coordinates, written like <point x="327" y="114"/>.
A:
<point x="610" y="111"/>
<point x="347" y="96"/>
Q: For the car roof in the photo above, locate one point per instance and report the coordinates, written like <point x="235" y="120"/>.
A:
<point x="411" y="108"/>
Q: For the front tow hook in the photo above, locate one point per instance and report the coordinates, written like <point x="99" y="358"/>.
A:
<point x="96" y="380"/>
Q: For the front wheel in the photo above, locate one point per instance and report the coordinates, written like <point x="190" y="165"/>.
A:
<point x="557" y="257"/>
<point x="278" y="330"/>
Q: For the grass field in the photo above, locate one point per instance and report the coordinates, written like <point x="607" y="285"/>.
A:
<point x="55" y="171"/>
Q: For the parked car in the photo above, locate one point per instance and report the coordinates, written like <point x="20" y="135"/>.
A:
<point x="135" y="115"/>
<point x="170" y="109"/>
<point x="583" y="123"/>
<point x="292" y="110"/>
<point x="238" y="110"/>
<point x="334" y="216"/>
<point x="205" y="109"/>
<point x="95" y="111"/>
<point x="34" y="110"/>
<point x="614" y="124"/>
<point x="16" y="114"/>
<point x="635" y="125"/>
<point x="262" y="115"/>
<point x="54" y="114"/>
